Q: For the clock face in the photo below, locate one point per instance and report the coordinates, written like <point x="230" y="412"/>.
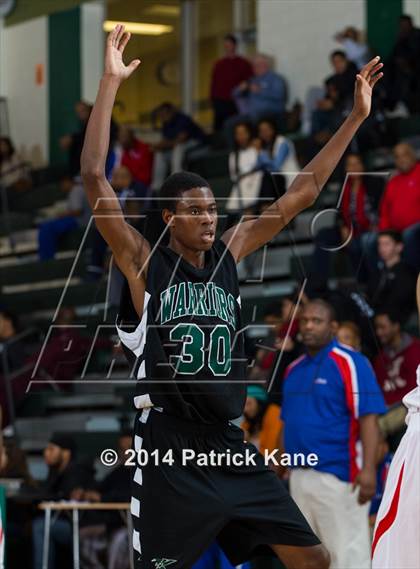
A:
<point x="168" y="72"/>
<point x="6" y="6"/>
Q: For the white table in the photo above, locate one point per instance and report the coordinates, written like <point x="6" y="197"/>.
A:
<point x="74" y="507"/>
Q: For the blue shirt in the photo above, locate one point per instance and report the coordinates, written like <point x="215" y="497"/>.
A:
<point x="272" y="95"/>
<point x="323" y="398"/>
<point x="273" y="163"/>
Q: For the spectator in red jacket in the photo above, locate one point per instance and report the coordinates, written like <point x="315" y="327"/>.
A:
<point x="400" y="206"/>
<point x="136" y="156"/>
<point x="395" y="365"/>
<point x="228" y="72"/>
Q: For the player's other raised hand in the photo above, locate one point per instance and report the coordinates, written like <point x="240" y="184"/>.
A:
<point x="115" y="45"/>
<point x="366" y="79"/>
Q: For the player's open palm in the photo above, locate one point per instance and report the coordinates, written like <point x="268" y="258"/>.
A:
<point x="366" y="79"/>
<point x="115" y="45"/>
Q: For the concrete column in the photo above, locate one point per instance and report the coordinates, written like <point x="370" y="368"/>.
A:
<point x="188" y="9"/>
<point x="92" y="40"/>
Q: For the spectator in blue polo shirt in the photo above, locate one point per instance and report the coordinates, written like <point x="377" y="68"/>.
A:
<point x="179" y="134"/>
<point x="331" y="400"/>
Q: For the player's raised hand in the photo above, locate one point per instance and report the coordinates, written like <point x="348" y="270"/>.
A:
<point x="115" y="45"/>
<point x="366" y="79"/>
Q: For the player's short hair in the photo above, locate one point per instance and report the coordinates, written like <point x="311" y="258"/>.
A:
<point x="326" y="305"/>
<point x="393" y="234"/>
<point x="174" y="186"/>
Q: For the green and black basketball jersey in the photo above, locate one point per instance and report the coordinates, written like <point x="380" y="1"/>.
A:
<point x="187" y="352"/>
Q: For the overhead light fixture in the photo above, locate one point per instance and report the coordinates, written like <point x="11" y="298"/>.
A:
<point x="142" y="28"/>
<point x="163" y="10"/>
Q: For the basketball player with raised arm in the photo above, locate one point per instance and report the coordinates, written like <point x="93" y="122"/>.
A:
<point x="396" y="539"/>
<point x="180" y="326"/>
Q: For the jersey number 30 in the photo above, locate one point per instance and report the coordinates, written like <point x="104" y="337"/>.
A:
<point x="192" y="357"/>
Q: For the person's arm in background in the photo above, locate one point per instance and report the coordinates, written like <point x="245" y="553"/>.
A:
<point x="369" y="437"/>
<point x="282" y="153"/>
<point x="245" y="238"/>
<point x="370" y="403"/>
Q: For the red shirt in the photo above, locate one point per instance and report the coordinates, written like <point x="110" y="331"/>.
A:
<point x="400" y="206"/>
<point x="139" y="160"/>
<point x="396" y="373"/>
<point x="228" y="72"/>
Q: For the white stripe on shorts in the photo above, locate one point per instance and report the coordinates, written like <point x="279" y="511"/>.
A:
<point x="135" y="507"/>
<point x="136" y="541"/>
<point x="138" y="476"/>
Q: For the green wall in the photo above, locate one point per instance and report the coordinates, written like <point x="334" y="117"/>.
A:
<point x="382" y="24"/>
<point x="63" y="77"/>
<point x="27" y="9"/>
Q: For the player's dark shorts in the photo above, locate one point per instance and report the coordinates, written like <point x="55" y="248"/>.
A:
<point x="179" y="509"/>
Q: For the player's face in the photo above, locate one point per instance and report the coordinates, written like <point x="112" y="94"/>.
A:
<point x="385" y="329"/>
<point x="316" y="327"/>
<point x="195" y="222"/>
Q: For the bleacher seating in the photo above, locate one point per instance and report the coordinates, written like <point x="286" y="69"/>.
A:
<point x="33" y="289"/>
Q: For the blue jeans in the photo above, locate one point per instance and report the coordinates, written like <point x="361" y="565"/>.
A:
<point x="214" y="557"/>
<point x="60" y="534"/>
<point x="50" y="231"/>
